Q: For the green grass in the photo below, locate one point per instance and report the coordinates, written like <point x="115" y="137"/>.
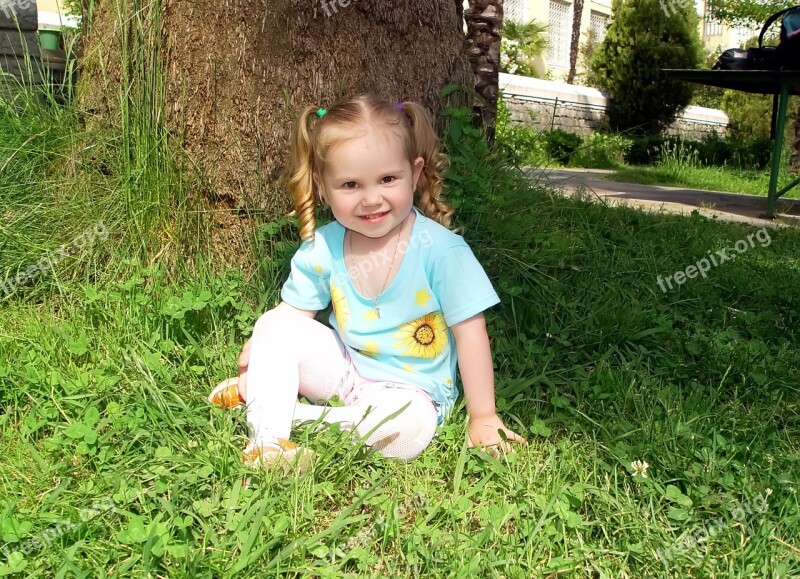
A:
<point x="112" y="463"/>
<point x="104" y="389"/>
<point x="749" y="182"/>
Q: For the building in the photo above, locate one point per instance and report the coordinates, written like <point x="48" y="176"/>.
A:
<point x="718" y="36"/>
<point x="557" y="14"/>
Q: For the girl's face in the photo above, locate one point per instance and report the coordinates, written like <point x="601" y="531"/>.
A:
<point x="369" y="183"/>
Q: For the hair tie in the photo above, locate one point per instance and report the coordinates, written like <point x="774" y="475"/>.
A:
<point x="321" y="112"/>
<point x="399" y="105"/>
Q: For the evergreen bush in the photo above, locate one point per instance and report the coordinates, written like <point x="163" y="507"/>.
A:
<point x="641" y="41"/>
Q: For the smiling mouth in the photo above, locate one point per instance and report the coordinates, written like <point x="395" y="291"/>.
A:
<point x="373" y="216"/>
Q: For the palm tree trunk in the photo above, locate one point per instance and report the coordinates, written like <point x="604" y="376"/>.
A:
<point x="484" y="20"/>
<point x="577" y="14"/>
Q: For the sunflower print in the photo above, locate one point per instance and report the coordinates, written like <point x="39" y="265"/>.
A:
<point x="340" y="307"/>
<point x="424" y="337"/>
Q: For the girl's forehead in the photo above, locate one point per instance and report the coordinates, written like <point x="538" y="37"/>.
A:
<point x="366" y="140"/>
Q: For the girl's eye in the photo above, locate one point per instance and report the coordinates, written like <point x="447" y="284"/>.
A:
<point x="349" y="185"/>
<point x="388" y="179"/>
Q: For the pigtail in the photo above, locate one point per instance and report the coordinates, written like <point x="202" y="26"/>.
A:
<point x="301" y="174"/>
<point x="429" y="198"/>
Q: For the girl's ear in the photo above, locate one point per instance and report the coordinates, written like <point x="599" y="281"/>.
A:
<point x="417" y="167"/>
<point x="320" y="188"/>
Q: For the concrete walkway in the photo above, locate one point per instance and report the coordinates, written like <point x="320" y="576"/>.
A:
<point x="654" y="198"/>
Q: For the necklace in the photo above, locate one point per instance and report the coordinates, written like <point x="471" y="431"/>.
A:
<point x="375" y="307"/>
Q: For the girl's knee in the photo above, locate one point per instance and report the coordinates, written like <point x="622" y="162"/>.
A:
<point x="405" y="435"/>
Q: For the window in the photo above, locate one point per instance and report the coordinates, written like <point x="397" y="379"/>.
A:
<point x="514" y="10"/>
<point x="598" y="25"/>
<point x="713" y="28"/>
<point x="560" y="29"/>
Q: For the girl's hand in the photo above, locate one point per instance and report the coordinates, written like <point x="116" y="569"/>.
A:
<point x="484" y="432"/>
<point x="244" y="361"/>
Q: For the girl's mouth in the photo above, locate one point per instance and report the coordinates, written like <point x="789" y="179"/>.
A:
<point x="374" y="217"/>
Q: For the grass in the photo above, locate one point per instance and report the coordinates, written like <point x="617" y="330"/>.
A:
<point x="112" y="463"/>
<point x="104" y="394"/>
<point x="749" y="182"/>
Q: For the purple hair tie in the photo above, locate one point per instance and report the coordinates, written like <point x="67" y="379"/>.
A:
<point x="399" y="105"/>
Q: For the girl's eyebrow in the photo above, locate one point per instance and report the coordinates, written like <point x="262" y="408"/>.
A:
<point x="347" y="178"/>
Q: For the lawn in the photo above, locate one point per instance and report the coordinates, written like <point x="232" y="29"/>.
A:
<point x="664" y="426"/>
<point x="749" y="182"/>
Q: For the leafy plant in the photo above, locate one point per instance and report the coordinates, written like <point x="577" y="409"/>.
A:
<point x="561" y="145"/>
<point x="520" y="45"/>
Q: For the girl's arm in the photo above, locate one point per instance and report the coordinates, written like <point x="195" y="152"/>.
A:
<point x="477" y="374"/>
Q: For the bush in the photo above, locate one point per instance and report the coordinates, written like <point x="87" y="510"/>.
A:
<point x="713" y="150"/>
<point x="561" y="145"/>
<point x="602" y="151"/>
<point x="641" y="41"/>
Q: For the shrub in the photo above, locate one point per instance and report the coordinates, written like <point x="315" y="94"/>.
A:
<point x="521" y="144"/>
<point x="713" y="150"/>
<point x="602" y="151"/>
<point x="641" y="41"/>
<point x="561" y="145"/>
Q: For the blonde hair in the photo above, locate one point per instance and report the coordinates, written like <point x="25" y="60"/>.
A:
<point x="310" y="144"/>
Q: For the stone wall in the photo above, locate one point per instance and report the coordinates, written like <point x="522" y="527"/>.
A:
<point x="579" y="109"/>
<point x="18" y="38"/>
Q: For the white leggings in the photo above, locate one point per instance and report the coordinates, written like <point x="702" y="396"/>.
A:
<point x="291" y="353"/>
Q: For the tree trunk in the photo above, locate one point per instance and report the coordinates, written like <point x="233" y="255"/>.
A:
<point x="236" y="73"/>
<point x="484" y="20"/>
<point x="575" y="40"/>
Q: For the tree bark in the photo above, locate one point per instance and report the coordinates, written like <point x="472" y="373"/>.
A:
<point x="575" y="40"/>
<point x="237" y="73"/>
<point x="484" y="20"/>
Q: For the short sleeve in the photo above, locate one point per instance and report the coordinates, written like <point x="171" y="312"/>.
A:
<point x="308" y="286"/>
<point x="461" y="286"/>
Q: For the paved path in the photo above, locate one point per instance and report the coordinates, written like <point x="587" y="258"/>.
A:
<point x="712" y="204"/>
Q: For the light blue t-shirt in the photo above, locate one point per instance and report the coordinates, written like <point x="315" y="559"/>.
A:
<point x="439" y="284"/>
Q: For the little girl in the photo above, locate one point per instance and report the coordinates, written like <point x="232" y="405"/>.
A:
<point x="407" y="294"/>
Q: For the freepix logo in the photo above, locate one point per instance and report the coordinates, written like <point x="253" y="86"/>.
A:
<point x="51" y="258"/>
<point x="674" y="5"/>
<point x="10" y="7"/>
<point x="703" y="265"/>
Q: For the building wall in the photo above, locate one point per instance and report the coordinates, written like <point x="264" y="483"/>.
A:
<point x="545" y="11"/>
<point x="52" y="15"/>
<point x="715" y="36"/>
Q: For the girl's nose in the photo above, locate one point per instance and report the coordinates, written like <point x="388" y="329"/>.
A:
<point x="372" y="196"/>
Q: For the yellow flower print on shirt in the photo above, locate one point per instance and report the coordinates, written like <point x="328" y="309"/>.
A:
<point x="370" y="349"/>
<point x="424" y="337"/>
<point x="340" y="307"/>
<point x="422" y="298"/>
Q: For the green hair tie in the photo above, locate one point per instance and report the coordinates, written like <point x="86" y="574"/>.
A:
<point x="321" y="112"/>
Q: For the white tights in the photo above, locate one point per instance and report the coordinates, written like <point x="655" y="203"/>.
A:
<point x="291" y="353"/>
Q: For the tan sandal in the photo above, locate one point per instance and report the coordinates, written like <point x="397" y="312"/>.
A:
<point x="226" y="394"/>
<point x="285" y="455"/>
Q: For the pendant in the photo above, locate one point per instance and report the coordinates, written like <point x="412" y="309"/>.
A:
<point x="377" y="311"/>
